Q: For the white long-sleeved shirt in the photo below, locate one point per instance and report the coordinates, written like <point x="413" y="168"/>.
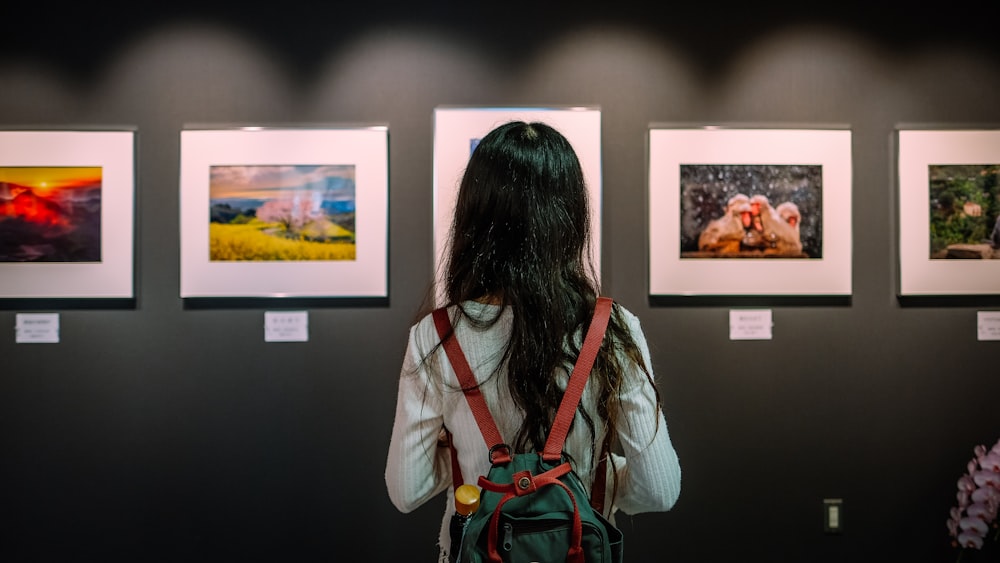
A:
<point x="429" y="397"/>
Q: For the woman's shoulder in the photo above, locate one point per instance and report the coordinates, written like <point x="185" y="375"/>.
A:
<point x="630" y="318"/>
<point x="426" y="326"/>
<point x="423" y="333"/>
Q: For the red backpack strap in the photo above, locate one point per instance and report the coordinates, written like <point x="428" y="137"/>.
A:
<point x="470" y="387"/>
<point x="577" y="380"/>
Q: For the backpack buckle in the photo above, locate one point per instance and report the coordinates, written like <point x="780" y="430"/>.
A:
<point x="500" y="453"/>
<point x="524" y="483"/>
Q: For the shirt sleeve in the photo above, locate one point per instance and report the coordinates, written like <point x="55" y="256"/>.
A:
<point x="417" y="469"/>
<point x="650" y="478"/>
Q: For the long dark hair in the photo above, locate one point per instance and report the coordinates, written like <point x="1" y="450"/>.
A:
<point x="520" y="238"/>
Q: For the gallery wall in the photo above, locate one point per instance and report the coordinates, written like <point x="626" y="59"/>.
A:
<point x="165" y="432"/>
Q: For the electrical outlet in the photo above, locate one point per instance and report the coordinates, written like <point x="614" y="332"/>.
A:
<point x="833" y="515"/>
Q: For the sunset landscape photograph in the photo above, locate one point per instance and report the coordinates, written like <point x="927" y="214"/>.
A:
<point x="50" y="214"/>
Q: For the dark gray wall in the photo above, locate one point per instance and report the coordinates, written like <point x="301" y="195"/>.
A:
<point x="169" y="433"/>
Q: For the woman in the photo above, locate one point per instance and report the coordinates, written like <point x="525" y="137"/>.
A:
<point x="521" y="292"/>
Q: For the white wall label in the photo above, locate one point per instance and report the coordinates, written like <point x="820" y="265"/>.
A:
<point x="286" y="326"/>
<point x="988" y="325"/>
<point x="32" y="328"/>
<point x="750" y="324"/>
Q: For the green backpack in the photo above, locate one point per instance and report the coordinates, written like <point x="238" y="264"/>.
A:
<point x="533" y="507"/>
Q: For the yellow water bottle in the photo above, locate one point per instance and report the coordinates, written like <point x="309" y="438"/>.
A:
<point x="466" y="503"/>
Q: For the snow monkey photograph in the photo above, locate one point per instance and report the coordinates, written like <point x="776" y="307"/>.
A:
<point x="751" y="211"/>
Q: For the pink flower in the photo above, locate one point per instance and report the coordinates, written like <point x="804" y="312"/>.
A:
<point x="966" y="539"/>
<point x="979" y="510"/>
<point x="973" y="532"/>
<point x="991" y="461"/>
<point x="986" y="494"/>
<point x="978" y="498"/>
<point x="965" y="482"/>
<point x="972" y="524"/>
<point x="956" y="515"/>
<point x="986" y="502"/>
<point x="989" y="478"/>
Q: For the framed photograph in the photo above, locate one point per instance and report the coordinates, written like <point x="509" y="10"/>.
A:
<point x="284" y="212"/>
<point x="949" y="211"/>
<point x="457" y="130"/>
<point x="67" y="213"/>
<point x="749" y="211"/>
